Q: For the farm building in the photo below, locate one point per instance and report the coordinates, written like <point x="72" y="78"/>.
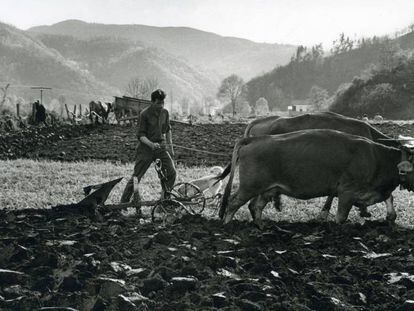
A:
<point x="299" y="107"/>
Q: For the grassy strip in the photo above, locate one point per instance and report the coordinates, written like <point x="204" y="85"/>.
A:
<point x="41" y="184"/>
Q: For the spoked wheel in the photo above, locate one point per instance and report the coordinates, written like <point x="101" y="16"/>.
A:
<point x="191" y="196"/>
<point x="216" y="200"/>
<point x="166" y="211"/>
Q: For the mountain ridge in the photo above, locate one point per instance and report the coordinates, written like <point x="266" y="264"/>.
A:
<point x="199" y="47"/>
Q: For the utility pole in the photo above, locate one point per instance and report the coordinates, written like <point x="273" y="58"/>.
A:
<point x="171" y="102"/>
<point x="41" y="88"/>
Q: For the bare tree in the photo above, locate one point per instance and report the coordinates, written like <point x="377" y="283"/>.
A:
<point x="232" y="88"/>
<point x="62" y="101"/>
<point x="4" y="95"/>
<point x="142" y="88"/>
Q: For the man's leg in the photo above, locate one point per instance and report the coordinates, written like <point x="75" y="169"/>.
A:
<point x="168" y="168"/>
<point x="142" y="164"/>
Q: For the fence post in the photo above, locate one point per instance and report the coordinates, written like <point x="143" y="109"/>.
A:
<point x="67" y="111"/>
<point x="80" y="110"/>
<point x="18" y="109"/>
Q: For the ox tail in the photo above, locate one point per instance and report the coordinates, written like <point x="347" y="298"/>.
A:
<point x="247" y="130"/>
<point x="232" y="167"/>
<point x="223" y="174"/>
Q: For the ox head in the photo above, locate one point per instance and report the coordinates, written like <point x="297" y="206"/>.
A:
<point x="406" y="166"/>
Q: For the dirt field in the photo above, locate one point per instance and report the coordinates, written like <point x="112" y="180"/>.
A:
<point x="114" y="262"/>
<point x="117" y="143"/>
<point x="196" y="264"/>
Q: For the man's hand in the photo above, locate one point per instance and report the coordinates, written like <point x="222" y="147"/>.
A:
<point x="155" y="146"/>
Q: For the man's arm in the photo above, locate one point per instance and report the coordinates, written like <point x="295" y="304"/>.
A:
<point x="143" y="132"/>
<point x="149" y="143"/>
<point x="168" y="138"/>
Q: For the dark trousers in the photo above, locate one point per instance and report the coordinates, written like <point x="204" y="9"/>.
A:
<point x="143" y="161"/>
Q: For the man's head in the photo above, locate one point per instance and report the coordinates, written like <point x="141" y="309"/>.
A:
<point x="157" y="98"/>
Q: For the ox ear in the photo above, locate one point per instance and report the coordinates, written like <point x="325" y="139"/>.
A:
<point x="405" y="167"/>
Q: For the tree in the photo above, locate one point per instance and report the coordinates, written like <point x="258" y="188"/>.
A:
<point x="342" y="44"/>
<point x="208" y="104"/>
<point x="318" y="97"/>
<point x="390" y="54"/>
<point x="275" y="97"/>
<point x="185" y="105"/>
<point x="62" y="101"/>
<point x="232" y="88"/>
<point x="378" y="98"/>
<point x="4" y="95"/>
<point x="262" y="106"/>
<point x="139" y="88"/>
<point x="299" y="54"/>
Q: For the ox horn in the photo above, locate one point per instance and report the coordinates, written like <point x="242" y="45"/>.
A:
<point x="405" y="167"/>
<point x="407" y="141"/>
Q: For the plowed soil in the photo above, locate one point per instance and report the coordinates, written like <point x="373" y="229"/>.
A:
<point x="121" y="263"/>
<point x="51" y="260"/>
<point x="204" y="144"/>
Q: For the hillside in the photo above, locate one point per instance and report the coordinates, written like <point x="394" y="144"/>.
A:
<point x="310" y="67"/>
<point x="222" y="55"/>
<point x="389" y="92"/>
<point x="25" y="62"/>
<point x="117" y="61"/>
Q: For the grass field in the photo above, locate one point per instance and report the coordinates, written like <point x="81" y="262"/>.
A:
<point x="41" y="184"/>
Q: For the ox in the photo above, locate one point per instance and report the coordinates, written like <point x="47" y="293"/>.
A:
<point x="259" y="127"/>
<point x="315" y="163"/>
<point x="99" y="110"/>
<point x="322" y="120"/>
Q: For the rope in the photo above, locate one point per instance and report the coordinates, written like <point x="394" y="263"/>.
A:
<point x="203" y="151"/>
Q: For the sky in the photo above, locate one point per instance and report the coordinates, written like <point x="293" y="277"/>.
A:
<point x="306" y="22"/>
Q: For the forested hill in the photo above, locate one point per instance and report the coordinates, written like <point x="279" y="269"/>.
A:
<point x="310" y="68"/>
<point x="387" y="91"/>
<point x="26" y="61"/>
<point x="222" y="55"/>
<point x="118" y="61"/>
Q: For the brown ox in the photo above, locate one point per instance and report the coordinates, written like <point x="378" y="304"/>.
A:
<point x="99" y="110"/>
<point x="321" y="120"/>
<point x="314" y="163"/>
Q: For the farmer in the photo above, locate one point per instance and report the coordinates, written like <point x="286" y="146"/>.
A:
<point x="154" y="142"/>
<point x="40" y="113"/>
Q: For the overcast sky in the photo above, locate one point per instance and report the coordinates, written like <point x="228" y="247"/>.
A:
<point x="306" y="22"/>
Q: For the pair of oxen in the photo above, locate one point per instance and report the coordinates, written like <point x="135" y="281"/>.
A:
<point x="315" y="155"/>
<point x="99" y="111"/>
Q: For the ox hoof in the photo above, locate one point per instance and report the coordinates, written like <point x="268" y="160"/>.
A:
<point x="365" y="214"/>
<point x="323" y="216"/>
<point x="391" y="218"/>
<point x="259" y="225"/>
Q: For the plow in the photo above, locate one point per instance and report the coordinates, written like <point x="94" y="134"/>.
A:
<point x="183" y="198"/>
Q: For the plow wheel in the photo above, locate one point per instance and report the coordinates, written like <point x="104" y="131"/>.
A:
<point x="189" y="195"/>
<point x="166" y="211"/>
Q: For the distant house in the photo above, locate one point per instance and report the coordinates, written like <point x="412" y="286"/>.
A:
<point x="299" y="107"/>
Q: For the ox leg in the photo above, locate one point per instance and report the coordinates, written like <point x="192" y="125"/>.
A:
<point x="235" y="202"/>
<point x="252" y="205"/>
<point x="256" y="207"/>
<point x="276" y="202"/>
<point x="323" y="214"/>
<point x="345" y="202"/>
<point x="391" y="214"/>
<point x="363" y="212"/>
